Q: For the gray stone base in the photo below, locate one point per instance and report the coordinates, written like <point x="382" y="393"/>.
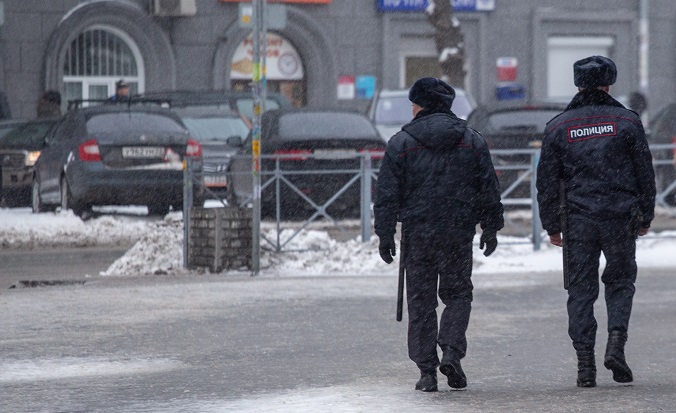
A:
<point x="220" y="238"/>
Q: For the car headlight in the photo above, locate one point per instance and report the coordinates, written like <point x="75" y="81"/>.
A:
<point x="32" y="157"/>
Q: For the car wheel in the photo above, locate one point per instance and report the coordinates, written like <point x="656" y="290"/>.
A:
<point x="67" y="201"/>
<point x="36" y="201"/>
<point x="158" y="209"/>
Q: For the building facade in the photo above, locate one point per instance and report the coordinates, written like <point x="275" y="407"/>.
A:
<point x="327" y="52"/>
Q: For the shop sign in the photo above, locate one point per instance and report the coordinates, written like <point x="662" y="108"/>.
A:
<point x="421" y="5"/>
<point x="282" y="60"/>
<point x="402" y="5"/>
<point x="282" y="1"/>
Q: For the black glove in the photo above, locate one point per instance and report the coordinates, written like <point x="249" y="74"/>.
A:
<point x="489" y="238"/>
<point x="387" y="248"/>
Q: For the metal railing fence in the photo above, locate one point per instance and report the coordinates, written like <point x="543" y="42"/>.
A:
<point x="520" y="193"/>
<point x="279" y="179"/>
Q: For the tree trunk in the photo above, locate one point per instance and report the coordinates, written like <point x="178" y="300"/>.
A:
<point x="449" y="41"/>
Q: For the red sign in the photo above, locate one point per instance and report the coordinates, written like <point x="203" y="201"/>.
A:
<point x="507" y="69"/>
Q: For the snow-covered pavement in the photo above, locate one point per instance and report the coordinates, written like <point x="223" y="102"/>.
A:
<point x="157" y="247"/>
<point x="314" y="333"/>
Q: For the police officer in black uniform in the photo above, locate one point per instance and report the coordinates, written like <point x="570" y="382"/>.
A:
<point x="595" y="157"/>
<point x="437" y="178"/>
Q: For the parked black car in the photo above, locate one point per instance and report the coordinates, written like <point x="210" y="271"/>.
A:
<point x="308" y="143"/>
<point x="513" y="125"/>
<point x="216" y="130"/>
<point x="20" y="144"/>
<point x="115" y="154"/>
<point x="235" y="101"/>
<point x="214" y="118"/>
<point x="663" y="132"/>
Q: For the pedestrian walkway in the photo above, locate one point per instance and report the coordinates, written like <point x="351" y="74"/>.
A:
<point x="310" y="344"/>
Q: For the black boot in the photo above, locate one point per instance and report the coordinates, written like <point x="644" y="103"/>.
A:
<point x="586" y="369"/>
<point x="450" y="367"/>
<point x="427" y="382"/>
<point x="614" y="359"/>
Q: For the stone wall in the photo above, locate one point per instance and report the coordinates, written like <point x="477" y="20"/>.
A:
<point x="220" y="238"/>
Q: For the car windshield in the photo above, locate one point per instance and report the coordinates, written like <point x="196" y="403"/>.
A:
<point x="518" y="121"/>
<point x="26" y="135"/>
<point x="393" y="111"/>
<point x="396" y="110"/>
<point x="133" y="122"/>
<point x="313" y="125"/>
<point x="206" y="129"/>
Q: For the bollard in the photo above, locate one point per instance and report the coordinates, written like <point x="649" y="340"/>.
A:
<point x="187" y="204"/>
<point x="366" y="182"/>
<point x="535" y="208"/>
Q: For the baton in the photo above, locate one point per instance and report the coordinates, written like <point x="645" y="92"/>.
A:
<point x="563" y="212"/>
<point x="402" y="276"/>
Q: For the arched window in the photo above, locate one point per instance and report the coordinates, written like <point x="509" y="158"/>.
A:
<point x="96" y="59"/>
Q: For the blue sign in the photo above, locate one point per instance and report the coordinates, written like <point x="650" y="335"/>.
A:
<point x="510" y="91"/>
<point x="473" y="5"/>
<point x="421" y="5"/>
<point x="402" y="5"/>
<point x="365" y="87"/>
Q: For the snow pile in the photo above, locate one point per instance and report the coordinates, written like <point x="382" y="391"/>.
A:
<point x="21" y="229"/>
<point x="315" y="252"/>
<point x="159" y="251"/>
<point x="158" y="247"/>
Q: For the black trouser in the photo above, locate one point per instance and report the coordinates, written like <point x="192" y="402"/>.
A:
<point x="587" y="239"/>
<point x="446" y="257"/>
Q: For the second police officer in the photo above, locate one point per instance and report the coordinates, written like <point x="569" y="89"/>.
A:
<point x="596" y="172"/>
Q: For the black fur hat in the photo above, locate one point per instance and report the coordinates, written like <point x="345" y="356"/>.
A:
<point x="594" y="71"/>
<point x="429" y="92"/>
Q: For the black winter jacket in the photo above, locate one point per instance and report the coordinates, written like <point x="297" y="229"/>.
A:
<point x="437" y="174"/>
<point x="598" y="148"/>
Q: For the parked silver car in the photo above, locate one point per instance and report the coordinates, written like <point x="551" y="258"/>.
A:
<point x="391" y="109"/>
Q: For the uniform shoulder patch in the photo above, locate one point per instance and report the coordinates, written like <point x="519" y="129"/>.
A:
<point x="596" y="130"/>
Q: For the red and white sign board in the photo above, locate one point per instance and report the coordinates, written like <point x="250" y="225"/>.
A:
<point x="507" y="69"/>
<point x="346" y="87"/>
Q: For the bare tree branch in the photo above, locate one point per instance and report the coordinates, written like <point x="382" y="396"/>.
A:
<point x="449" y="41"/>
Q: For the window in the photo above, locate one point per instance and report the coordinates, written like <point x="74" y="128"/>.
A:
<point x="126" y="123"/>
<point x="562" y="52"/>
<point x="96" y="59"/>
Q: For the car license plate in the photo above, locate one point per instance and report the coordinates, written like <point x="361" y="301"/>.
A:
<point x="143" y="152"/>
<point x="335" y="153"/>
<point x="217" y="181"/>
